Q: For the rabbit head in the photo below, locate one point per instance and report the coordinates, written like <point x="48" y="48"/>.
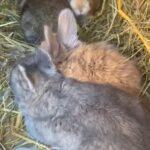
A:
<point x="30" y="28"/>
<point x="30" y="23"/>
<point x="80" y="7"/>
<point x="66" y="39"/>
<point x="30" y="74"/>
<point x="84" y="7"/>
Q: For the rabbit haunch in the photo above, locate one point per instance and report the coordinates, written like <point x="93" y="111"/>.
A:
<point x="69" y="115"/>
<point x="95" y="63"/>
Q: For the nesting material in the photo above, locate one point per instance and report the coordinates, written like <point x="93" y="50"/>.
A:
<point x="125" y="24"/>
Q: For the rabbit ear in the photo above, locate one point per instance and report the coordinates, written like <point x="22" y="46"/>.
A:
<point x="23" y="3"/>
<point x="50" y="43"/>
<point x="25" y="81"/>
<point x="67" y="29"/>
<point x="46" y="44"/>
<point x="20" y="83"/>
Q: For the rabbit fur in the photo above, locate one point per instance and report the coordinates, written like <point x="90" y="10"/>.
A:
<point x="84" y="7"/>
<point x="26" y="148"/>
<point x="36" y="13"/>
<point x="95" y="63"/>
<point x="67" y="114"/>
<point x="71" y="115"/>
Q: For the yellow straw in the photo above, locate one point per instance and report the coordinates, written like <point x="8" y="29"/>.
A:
<point x="135" y="29"/>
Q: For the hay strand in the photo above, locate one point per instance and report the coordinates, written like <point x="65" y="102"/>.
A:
<point x="134" y="28"/>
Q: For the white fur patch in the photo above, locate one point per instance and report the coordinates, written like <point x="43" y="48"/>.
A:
<point x="80" y="9"/>
<point x="22" y="70"/>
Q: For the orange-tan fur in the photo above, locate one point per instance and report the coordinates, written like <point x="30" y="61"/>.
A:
<point x="101" y="63"/>
<point x="96" y="62"/>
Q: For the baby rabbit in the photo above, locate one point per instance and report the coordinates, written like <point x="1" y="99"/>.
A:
<point x="35" y="13"/>
<point x="94" y="63"/>
<point x="69" y="115"/>
<point x="84" y="7"/>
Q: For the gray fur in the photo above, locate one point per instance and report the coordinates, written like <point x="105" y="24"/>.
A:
<point x="70" y="115"/>
<point x="36" y="13"/>
<point x="26" y="148"/>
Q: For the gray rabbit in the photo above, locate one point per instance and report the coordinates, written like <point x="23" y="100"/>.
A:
<point x="69" y="115"/>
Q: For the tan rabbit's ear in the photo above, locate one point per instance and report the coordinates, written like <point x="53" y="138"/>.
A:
<point x="50" y="43"/>
<point x="46" y="44"/>
<point x="67" y="29"/>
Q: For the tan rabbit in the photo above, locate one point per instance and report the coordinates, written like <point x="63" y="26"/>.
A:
<point x="94" y="63"/>
<point x="84" y="7"/>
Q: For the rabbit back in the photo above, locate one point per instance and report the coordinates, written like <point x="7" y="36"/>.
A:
<point x="89" y="117"/>
<point x="102" y="63"/>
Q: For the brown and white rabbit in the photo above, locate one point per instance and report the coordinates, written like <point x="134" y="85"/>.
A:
<point x="70" y="115"/>
<point x="95" y="63"/>
<point x="84" y="7"/>
<point x="36" y="13"/>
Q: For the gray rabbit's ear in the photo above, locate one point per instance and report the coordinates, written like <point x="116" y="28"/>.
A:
<point x="67" y="29"/>
<point x="24" y="79"/>
<point x="19" y="82"/>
